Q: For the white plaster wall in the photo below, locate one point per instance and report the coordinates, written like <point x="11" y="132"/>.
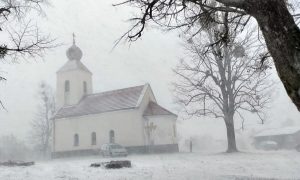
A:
<point x="146" y="97"/>
<point x="164" y="132"/>
<point x="126" y="124"/>
<point x="76" y="78"/>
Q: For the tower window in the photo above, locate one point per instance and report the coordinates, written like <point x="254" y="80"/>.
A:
<point x="84" y="87"/>
<point x="174" y="130"/>
<point x="94" y="138"/>
<point x="67" y="86"/>
<point x="76" y="140"/>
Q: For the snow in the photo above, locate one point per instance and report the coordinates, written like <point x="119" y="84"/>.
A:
<point x="180" y="166"/>
<point x="278" y="131"/>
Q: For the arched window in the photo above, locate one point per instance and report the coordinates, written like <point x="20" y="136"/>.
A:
<point x="174" y="130"/>
<point x="94" y="138"/>
<point x="67" y="86"/>
<point x="84" y="87"/>
<point x="111" y="136"/>
<point x="76" y="140"/>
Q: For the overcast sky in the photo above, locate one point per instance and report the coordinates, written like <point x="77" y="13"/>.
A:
<point x="97" y="25"/>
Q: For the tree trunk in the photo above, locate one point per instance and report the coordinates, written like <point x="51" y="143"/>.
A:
<point x="282" y="37"/>
<point x="230" y="135"/>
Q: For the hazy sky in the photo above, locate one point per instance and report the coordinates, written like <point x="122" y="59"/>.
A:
<point x="97" y="25"/>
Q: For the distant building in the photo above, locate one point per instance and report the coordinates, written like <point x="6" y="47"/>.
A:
<point x="86" y="120"/>
<point x="286" y="138"/>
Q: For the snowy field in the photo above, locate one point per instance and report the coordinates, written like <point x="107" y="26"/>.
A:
<point x="181" y="166"/>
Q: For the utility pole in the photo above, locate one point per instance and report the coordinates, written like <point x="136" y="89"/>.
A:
<point x="191" y="145"/>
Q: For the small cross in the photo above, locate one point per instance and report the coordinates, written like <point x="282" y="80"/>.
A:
<point x="151" y="127"/>
<point x="73" y="38"/>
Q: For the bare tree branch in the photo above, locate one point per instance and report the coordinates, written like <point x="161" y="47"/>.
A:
<point x="41" y="126"/>
<point x="218" y="78"/>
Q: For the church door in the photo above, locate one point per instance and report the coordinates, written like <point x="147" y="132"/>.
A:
<point x="111" y="136"/>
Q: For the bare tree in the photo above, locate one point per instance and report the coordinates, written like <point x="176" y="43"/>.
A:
<point x="41" y="126"/>
<point x="24" y="36"/>
<point x="276" y="18"/>
<point x="223" y="80"/>
<point x="21" y="36"/>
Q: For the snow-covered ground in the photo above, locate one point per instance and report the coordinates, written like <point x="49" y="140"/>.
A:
<point x="198" y="166"/>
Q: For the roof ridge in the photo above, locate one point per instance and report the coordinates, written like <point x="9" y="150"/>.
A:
<point x="111" y="91"/>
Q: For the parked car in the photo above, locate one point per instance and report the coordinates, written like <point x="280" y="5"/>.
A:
<point x="268" y="145"/>
<point x="298" y="147"/>
<point x="113" y="149"/>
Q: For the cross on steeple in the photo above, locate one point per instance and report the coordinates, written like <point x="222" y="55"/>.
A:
<point x="74" y="38"/>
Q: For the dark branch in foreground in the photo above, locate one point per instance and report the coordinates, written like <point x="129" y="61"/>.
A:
<point x="277" y="25"/>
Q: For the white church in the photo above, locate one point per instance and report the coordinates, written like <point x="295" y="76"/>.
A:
<point x="86" y="120"/>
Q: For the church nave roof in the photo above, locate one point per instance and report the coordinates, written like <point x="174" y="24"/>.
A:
<point x="126" y="98"/>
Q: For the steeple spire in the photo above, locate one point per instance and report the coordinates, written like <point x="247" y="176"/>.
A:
<point x="74" y="36"/>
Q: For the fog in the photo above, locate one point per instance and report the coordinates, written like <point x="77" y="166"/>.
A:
<point x="113" y="68"/>
<point x="97" y="25"/>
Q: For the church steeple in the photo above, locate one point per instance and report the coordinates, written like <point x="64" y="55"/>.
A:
<point x="74" y="80"/>
<point x="74" y="52"/>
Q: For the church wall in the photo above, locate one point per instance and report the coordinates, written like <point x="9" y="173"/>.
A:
<point x="76" y="79"/>
<point x="148" y="96"/>
<point x="125" y="123"/>
<point x="165" y="124"/>
<point x="165" y="129"/>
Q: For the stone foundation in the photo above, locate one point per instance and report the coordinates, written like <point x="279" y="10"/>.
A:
<point x="165" y="148"/>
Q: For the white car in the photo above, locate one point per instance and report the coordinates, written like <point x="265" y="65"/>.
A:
<point x="113" y="149"/>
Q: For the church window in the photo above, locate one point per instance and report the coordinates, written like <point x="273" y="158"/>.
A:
<point x="174" y="130"/>
<point x="67" y="86"/>
<point x="84" y="87"/>
<point x="111" y="136"/>
<point x="94" y="138"/>
<point x="76" y="140"/>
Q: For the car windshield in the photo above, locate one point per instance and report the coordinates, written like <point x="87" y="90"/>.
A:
<point x="115" y="146"/>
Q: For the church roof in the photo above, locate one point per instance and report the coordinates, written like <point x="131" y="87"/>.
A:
<point x="279" y="131"/>
<point x="74" y="53"/>
<point x="103" y="102"/>
<point x="73" y="65"/>
<point x="155" y="109"/>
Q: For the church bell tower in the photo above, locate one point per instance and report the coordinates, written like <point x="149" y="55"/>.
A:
<point x="74" y="80"/>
